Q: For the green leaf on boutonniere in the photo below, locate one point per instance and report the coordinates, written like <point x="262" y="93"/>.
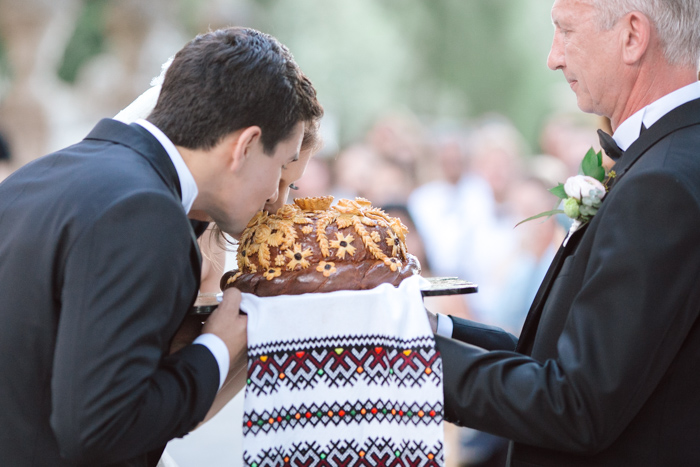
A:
<point x="592" y="165"/>
<point x="542" y="214"/>
<point x="559" y="191"/>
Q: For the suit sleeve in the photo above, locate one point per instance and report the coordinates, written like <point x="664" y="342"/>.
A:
<point x="126" y="280"/>
<point x="638" y="301"/>
<point x="482" y="335"/>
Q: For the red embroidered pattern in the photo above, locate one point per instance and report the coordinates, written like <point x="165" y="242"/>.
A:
<point x="343" y="363"/>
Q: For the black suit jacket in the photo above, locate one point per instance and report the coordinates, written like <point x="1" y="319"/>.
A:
<point x="606" y="371"/>
<point x="98" y="267"/>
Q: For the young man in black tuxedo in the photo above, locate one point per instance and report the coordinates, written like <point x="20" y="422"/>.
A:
<point x="99" y="261"/>
<point x="605" y="372"/>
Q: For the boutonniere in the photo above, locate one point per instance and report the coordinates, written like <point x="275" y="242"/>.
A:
<point x="580" y="196"/>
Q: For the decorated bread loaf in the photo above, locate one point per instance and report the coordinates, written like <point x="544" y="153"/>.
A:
<point x="314" y="246"/>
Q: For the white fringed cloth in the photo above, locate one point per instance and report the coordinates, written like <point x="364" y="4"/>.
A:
<point x="347" y="378"/>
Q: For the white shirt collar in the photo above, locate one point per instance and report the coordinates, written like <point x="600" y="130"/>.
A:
<point x="628" y="131"/>
<point x="187" y="184"/>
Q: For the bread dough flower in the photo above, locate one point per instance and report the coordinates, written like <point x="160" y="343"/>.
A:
<point x="392" y="240"/>
<point x="327" y="268"/>
<point x="298" y="257"/>
<point x="271" y="273"/>
<point x="343" y="244"/>
<point x="392" y="263"/>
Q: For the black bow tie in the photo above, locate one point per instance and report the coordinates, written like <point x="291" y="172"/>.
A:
<point x="609" y="145"/>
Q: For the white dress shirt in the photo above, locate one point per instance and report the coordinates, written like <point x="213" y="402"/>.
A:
<point x="628" y="131"/>
<point x="188" y="186"/>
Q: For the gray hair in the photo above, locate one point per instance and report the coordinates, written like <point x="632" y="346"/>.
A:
<point x="677" y="23"/>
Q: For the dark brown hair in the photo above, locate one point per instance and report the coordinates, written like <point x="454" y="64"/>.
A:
<point x="231" y="79"/>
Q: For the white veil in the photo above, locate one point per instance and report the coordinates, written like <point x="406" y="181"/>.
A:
<point x="143" y="105"/>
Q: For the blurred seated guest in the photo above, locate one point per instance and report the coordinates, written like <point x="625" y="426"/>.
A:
<point x="447" y="211"/>
<point x="546" y="168"/>
<point x="497" y="159"/>
<point x="497" y="150"/>
<point x="392" y="182"/>
<point x="452" y="304"/>
<point x="567" y="137"/>
<point x="414" y="242"/>
<point x="538" y="241"/>
<point x="5" y="158"/>
<point x="315" y="181"/>
<point x="397" y="136"/>
<point x="351" y="170"/>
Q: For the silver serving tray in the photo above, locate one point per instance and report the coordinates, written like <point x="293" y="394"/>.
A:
<point x="206" y="303"/>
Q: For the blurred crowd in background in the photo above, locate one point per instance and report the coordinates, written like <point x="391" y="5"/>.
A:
<point x="459" y="180"/>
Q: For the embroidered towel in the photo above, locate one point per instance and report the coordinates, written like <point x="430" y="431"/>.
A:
<point x="342" y="378"/>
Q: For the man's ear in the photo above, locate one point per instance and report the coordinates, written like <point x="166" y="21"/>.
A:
<point x="243" y="145"/>
<point x="637" y="34"/>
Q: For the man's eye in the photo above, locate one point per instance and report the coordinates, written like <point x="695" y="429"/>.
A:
<point x="293" y="186"/>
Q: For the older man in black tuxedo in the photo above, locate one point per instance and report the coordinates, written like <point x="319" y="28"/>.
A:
<point x="605" y="372"/>
<point x="99" y="264"/>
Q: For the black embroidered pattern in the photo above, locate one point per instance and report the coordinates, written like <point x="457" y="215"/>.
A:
<point x="343" y="361"/>
<point x="345" y="413"/>
<point x="378" y="451"/>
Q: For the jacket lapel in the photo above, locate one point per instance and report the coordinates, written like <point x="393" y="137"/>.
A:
<point x="141" y="141"/>
<point x="681" y="117"/>
<point x="144" y="143"/>
<point x="527" y="334"/>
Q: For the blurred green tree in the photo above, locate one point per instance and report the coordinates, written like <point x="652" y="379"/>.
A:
<point x="446" y="59"/>
<point x="86" y="42"/>
<point x="440" y="59"/>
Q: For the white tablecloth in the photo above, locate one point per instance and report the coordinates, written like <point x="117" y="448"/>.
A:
<point x="342" y="378"/>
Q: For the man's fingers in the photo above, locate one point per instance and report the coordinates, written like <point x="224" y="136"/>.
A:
<point x="232" y="298"/>
<point x="227" y="323"/>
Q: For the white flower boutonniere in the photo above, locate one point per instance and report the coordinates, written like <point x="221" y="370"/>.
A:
<point x="582" y="194"/>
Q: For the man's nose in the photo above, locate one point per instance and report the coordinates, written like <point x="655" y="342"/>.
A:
<point x="555" y="59"/>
